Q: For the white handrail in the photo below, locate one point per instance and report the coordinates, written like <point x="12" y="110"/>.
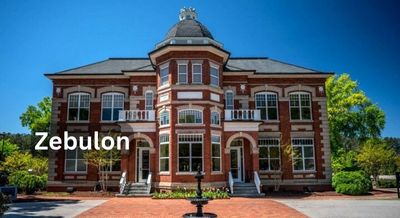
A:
<point x="148" y="182"/>
<point x="257" y="182"/>
<point x="122" y="182"/>
<point x="242" y="114"/>
<point x="230" y="182"/>
<point x="136" y="115"/>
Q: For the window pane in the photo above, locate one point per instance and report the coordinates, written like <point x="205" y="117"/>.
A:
<point x="263" y="164"/>
<point x="216" y="164"/>
<point x="84" y="101"/>
<point x="116" y="113"/>
<point x="297" y="152"/>
<point x="229" y="100"/>
<point x="196" y="162"/>
<point x="73" y="101"/>
<point x="294" y="100"/>
<point x="183" y="150"/>
<point x="107" y="100"/>
<point x="275" y="164"/>
<point x="298" y="164"/>
<point x="263" y="152"/>
<point x="106" y="114"/>
<point x="271" y="100"/>
<point x="295" y="113"/>
<point x="272" y="114"/>
<point x="164" y="165"/>
<point x="184" y="164"/>
<point x="164" y="150"/>
<point x="70" y="165"/>
<point x="309" y="164"/>
<point x="260" y="100"/>
<point x="73" y="114"/>
<point x="81" y="165"/>
<point x="116" y="165"/>
<point x="214" y="76"/>
<point x="182" y="72"/>
<point x="308" y="151"/>
<point x="305" y="113"/>
<point x="70" y="154"/>
<point x="216" y="150"/>
<point x="164" y="76"/>
<point x="263" y="113"/>
<point x="197" y="73"/>
<point x="274" y="152"/>
<point x="197" y="150"/>
<point x="305" y="99"/>
<point x="84" y="114"/>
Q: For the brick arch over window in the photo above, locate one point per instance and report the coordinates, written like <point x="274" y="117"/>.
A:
<point x="145" y="137"/>
<point x="106" y="89"/>
<point x="300" y="88"/>
<point x="252" y="141"/>
<point x="73" y="89"/>
<point x="266" y="88"/>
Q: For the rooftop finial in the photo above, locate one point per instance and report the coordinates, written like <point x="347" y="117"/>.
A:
<point x="188" y="14"/>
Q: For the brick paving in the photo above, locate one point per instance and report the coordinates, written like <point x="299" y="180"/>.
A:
<point x="147" y="207"/>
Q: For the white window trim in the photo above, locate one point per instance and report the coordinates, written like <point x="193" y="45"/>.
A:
<point x="201" y="73"/>
<point x="302" y="150"/>
<point x="79" y="106"/>
<point x="169" y="117"/>
<point x="300" y="110"/>
<point x="269" y="158"/>
<point x="220" y="154"/>
<point x="112" y="104"/>
<point x="226" y="100"/>
<point x="217" y="77"/>
<point x="186" y="73"/>
<point x="190" y="154"/>
<point x="146" y="101"/>
<point x="76" y="162"/>
<point x="190" y="109"/>
<point x="168" y="157"/>
<point x="266" y="103"/>
<point x="162" y="67"/>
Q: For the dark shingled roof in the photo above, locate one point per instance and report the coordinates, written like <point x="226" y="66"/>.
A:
<point x="189" y="28"/>
<point x="119" y="65"/>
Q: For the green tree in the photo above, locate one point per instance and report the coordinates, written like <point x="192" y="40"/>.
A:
<point x="7" y="147"/>
<point x="353" y="118"/>
<point x="37" y="118"/>
<point x="376" y="157"/>
<point x="23" y="161"/>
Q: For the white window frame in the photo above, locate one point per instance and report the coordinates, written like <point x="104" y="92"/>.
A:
<point x="218" y="118"/>
<point x="268" y="145"/>
<point x="113" y="94"/>
<point x="148" y="105"/>
<point x="220" y="154"/>
<point x="79" y="94"/>
<point x="302" y="154"/>
<point x="164" y="80"/>
<point x="300" y="107"/>
<point x="188" y="111"/>
<point x="185" y="73"/>
<point x="159" y="152"/>
<point x="191" y="170"/>
<point x="227" y="105"/>
<point x="76" y="162"/>
<point x="214" y="76"/>
<point x="201" y="73"/>
<point x="266" y="104"/>
<point x="164" y="113"/>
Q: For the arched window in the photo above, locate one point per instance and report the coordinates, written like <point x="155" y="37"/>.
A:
<point x="148" y="100"/>
<point x="300" y="106"/>
<point x="111" y="104"/>
<point x="215" y="118"/>
<point x="267" y="103"/>
<point x="190" y="116"/>
<point x="78" y="106"/>
<point x="164" y="117"/>
<point x="229" y="100"/>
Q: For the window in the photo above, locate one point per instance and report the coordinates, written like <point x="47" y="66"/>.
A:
<point x="266" y="102"/>
<point x="182" y="73"/>
<point x="78" y="106"/>
<point x="216" y="153"/>
<point x="111" y="103"/>
<point x="164" y="153"/>
<point x="148" y="101"/>
<point x="215" y="117"/>
<point x="114" y="162"/>
<point x="164" y="76"/>
<point x="300" y="106"/>
<point x="303" y="154"/>
<point x="190" y="116"/>
<point x="269" y="154"/>
<point x="74" y="161"/>
<point x="196" y="73"/>
<point x="229" y="103"/>
<point x="164" y="118"/>
<point x="190" y="152"/>
<point x="214" y="76"/>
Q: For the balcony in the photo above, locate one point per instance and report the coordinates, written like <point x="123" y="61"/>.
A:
<point x="136" y="115"/>
<point x="242" y="115"/>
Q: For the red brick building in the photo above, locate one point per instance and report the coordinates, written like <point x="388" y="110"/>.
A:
<point x="190" y="104"/>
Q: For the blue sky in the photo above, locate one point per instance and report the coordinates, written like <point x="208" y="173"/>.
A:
<point x="358" y="37"/>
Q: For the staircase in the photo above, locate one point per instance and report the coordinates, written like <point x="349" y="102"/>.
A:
<point x="135" y="190"/>
<point x="246" y="190"/>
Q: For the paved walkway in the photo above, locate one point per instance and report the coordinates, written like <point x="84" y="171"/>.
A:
<point x="64" y="208"/>
<point x="235" y="207"/>
<point x="346" y="208"/>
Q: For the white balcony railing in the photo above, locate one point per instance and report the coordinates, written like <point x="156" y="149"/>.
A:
<point x="137" y="115"/>
<point x="242" y="114"/>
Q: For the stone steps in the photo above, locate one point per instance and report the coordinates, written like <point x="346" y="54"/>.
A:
<point x="135" y="190"/>
<point x="246" y="190"/>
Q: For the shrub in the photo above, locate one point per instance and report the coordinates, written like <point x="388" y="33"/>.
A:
<point x="183" y="194"/>
<point x="27" y="182"/>
<point x="351" y="182"/>
<point x="386" y="183"/>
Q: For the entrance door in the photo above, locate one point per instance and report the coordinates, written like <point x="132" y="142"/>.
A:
<point x="237" y="164"/>
<point x="143" y="164"/>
